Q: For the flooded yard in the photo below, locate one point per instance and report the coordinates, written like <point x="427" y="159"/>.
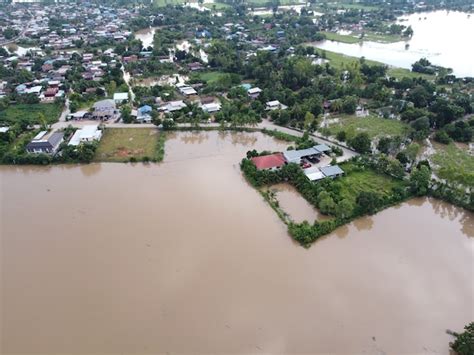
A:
<point x="291" y="201"/>
<point x="186" y="257"/>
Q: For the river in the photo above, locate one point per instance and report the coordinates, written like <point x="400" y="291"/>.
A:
<point x="440" y="36"/>
<point x="186" y="257"/>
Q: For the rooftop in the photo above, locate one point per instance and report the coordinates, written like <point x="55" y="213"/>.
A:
<point x="269" y="161"/>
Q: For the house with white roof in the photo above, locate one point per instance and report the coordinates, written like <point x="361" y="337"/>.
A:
<point x="120" y="97"/>
<point x="89" y="133"/>
<point x="254" y="92"/>
<point x="211" y="107"/>
<point x="173" y="106"/>
<point x="275" y="105"/>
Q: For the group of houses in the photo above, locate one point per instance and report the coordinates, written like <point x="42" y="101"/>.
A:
<point x="309" y="159"/>
<point x="49" y="142"/>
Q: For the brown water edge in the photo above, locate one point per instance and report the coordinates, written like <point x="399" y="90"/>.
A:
<point x="185" y="257"/>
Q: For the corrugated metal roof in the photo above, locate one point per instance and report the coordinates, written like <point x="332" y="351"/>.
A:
<point x="331" y="170"/>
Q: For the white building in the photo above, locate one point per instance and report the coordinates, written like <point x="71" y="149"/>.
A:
<point x="173" y="106"/>
<point x="275" y="105"/>
<point x="87" y="133"/>
<point x="120" y="97"/>
<point x="211" y="107"/>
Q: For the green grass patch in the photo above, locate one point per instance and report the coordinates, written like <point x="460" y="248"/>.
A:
<point x="339" y="60"/>
<point x="31" y="113"/>
<point x="123" y="144"/>
<point x="374" y="126"/>
<point x="341" y="38"/>
<point x="400" y="73"/>
<point x="163" y="3"/>
<point x="356" y="181"/>
<point x="211" y="77"/>
<point x="454" y="164"/>
<point x="342" y="5"/>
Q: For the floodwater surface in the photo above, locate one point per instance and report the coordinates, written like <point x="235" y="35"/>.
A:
<point x="443" y="37"/>
<point x="186" y="257"/>
<point x="292" y="203"/>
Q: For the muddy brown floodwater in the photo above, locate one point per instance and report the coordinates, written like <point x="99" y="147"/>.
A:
<point x="186" y="257"/>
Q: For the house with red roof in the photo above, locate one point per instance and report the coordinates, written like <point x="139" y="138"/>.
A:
<point x="269" y="162"/>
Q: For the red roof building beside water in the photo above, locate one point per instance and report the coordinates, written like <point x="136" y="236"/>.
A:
<point x="273" y="161"/>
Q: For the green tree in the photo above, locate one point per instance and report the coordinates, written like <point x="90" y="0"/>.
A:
<point x="464" y="343"/>
<point x="126" y="114"/>
<point x="344" y="209"/>
<point x="361" y="143"/>
<point x="419" y="180"/>
<point x="368" y="202"/>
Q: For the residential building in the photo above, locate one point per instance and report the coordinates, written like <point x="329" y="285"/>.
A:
<point x="120" y="97"/>
<point x="269" y="162"/>
<point x="89" y="133"/>
<point x="211" y="107"/>
<point x="104" y="110"/>
<point x="44" y="143"/>
<point x="275" y="105"/>
<point x="173" y="106"/>
<point x="254" y="92"/>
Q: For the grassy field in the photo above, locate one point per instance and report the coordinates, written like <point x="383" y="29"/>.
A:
<point x="339" y="60"/>
<point x="162" y="3"/>
<point x="400" y="73"/>
<point x="374" y="126"/>
<point x="211" y="77"/>
<point x="342" y="5"/>
<point x="369" y="36"/>
<point x="341" y="38"/>
<point x="355" y="182"/>
<point x="31" y="113"/>
<point x="454" y="164"/>
<point x="121" y="144"/>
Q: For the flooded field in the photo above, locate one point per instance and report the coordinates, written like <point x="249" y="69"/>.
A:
<point x="291" y="201"/>
<point x="438" y="36"/>
<point x="186" y="257"/>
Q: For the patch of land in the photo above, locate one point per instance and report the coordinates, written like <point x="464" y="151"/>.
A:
<point x="339" y="60"/>
<point x="341" y="38"/>
<point x="122" y="144"/>
<point x="454" y="164"/>
<point x="356" y="181"/>
<point x="163" y="3"/>
<point x="211" y="77"/>
<point x="374" y="126"/>
<point x="31" y="113"/>
<point x="349" y="6"/>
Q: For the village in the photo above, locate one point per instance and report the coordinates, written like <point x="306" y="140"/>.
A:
<point x="69" y="81"/>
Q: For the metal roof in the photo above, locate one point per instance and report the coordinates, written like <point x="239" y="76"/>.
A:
<point x="331" y="170"/>
<point x="293" y="156"/>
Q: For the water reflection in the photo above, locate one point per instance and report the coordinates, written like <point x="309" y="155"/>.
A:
<point x="194" y="137"/>
<point x="364" y="223"/>
<point x="91" y="169"/>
